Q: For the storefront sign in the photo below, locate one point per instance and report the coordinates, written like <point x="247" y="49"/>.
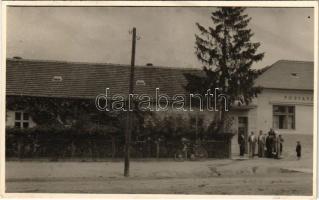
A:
<point x="298" y="98"/>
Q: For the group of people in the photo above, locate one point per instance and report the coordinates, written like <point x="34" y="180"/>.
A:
<point x="270" y="146"/>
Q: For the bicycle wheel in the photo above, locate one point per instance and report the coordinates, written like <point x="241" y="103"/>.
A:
<point x="201" y="153"/>
<point x="179" y="156"/>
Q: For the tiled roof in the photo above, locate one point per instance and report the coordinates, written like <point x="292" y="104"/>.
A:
<point x="87" y="80"/>
<point x="288" y="74"/>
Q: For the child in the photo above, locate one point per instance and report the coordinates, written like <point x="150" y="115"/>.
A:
<point x="298" y="150"/>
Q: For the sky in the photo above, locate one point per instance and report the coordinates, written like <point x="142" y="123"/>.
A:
<point x="167" y="34"/>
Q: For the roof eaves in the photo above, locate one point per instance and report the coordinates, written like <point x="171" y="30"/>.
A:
<point x="102" y="64"/>
<point x="299" y="89"/>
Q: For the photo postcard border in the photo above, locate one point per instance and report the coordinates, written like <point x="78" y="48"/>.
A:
<point x="5" y="4"/>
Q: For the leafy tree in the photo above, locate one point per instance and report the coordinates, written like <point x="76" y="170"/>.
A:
<point x="227" y="53"/>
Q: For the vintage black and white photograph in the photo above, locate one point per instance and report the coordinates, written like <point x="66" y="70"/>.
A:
<point x="196" y="100"/>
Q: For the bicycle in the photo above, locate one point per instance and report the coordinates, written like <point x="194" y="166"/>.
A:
<point x="193" y="152"/>
<point x="199" y="152"/>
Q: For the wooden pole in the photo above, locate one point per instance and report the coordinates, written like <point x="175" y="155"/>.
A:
<point x="129" y="113"/>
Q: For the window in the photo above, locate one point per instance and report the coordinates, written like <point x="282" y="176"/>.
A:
<point x="25" y="116"/>
<point x="18" y="115"/>
<point x="57" y="78"/>
<point x="283" y="117"/>
<point x="22" y="120"/>
<point x="140" y="82"/>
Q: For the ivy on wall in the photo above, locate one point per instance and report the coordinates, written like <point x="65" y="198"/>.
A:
<point x="82" y="115"/>
<point x="47" y="111"/>
<point x="74" y="127"/>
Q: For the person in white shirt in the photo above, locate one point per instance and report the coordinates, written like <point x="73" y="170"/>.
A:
<point x="252" y="144"/>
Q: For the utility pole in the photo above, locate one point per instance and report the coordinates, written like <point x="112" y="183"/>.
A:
<point x="128" y="131"/>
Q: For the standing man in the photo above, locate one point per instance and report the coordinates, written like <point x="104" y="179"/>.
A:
<point x="241" y="142"/>
<point x="261" y="144"/>
<point x="268" y="146"/>
<point x="277" y="147"/>
<point x="298" y="150"/>
<point x="281" y="141"/>
<point x="272" y="143"/>
<point x="252" y="144"/>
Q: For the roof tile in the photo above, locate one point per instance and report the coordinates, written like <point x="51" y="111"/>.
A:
<point x="288" y="74"/>
<point x="85" y="80"/>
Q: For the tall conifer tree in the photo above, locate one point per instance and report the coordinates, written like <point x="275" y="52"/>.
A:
<point x="227" y="53"/>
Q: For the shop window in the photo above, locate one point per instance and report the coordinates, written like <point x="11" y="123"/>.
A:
<point x="283" y="117"/>
<point x="22" y="120"/>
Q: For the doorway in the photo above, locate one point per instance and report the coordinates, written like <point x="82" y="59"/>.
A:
<point x="243" y="129"/>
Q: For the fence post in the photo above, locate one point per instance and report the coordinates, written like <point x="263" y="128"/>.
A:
<point x="157" y="149"/>
<point x="229" y="147"/>
<point x="113" y="146"/>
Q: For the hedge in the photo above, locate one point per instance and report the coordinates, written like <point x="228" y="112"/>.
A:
<point x="55" y="143"/>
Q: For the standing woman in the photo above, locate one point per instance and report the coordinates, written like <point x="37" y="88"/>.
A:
<point x="261" y="144"/>
<point x="277" y="148"/>
<point x="281" y="141"/>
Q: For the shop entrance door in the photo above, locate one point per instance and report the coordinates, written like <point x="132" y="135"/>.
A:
<point x="243" y="129"/>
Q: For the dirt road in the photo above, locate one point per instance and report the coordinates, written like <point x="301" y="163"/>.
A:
<point x="239" y="177"/>
<point x="298" y="184"/>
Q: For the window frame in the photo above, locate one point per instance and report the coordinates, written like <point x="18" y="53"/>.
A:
<point x="286" y="114"/>
<point x="22" y="121"/>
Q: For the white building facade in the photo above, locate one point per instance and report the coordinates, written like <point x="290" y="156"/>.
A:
<point x="285" y="103"/>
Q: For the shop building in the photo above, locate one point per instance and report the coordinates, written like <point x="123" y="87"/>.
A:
<point x="285" y="103"/>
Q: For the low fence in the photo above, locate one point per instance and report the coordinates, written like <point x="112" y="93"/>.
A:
<point x="67" y="145"/>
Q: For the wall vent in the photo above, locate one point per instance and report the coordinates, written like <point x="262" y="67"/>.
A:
<point x="295" y="75"/>
<point x="140" y="82"/>
<point x="57" y="78"/>
<point x="149" y="64"/>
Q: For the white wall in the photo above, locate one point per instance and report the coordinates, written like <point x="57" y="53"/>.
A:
<point x="261" y="117"/>
<point x="302" y="100"/>
<point x="10" y="118"/>
<point x="304" y="124"/>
